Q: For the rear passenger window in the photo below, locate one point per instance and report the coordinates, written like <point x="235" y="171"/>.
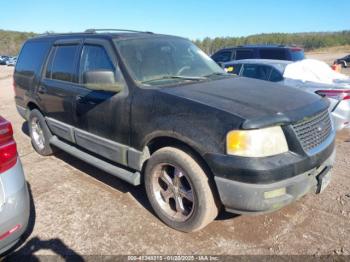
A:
<point x="62" y="63"/>
<point x="244" y="54"/>
<point x="97" y="71"/>
<point x="224" y="56"/>
<point x="256" y="71"/>
<point x="276" y="76"/>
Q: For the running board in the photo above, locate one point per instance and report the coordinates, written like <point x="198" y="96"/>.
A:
<point x="130" y="177"/>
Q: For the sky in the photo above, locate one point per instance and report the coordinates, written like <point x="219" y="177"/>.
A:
<point x="191" y="19"/>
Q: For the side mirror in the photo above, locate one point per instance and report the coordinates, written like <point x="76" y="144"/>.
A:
<point x="99" y="77"/>
<point x="101" y="80"/>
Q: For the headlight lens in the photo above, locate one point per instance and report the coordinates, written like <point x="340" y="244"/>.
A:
<point x="256" y="143"/>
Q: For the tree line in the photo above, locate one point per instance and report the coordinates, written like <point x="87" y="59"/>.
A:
<point x="308" y="41"/>
<point x="11" y="41"/>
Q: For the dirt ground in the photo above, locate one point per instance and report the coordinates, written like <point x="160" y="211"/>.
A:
<point x="78" y="209"/>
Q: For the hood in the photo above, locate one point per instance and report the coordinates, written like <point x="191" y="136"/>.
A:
<point x="257" y="103"/>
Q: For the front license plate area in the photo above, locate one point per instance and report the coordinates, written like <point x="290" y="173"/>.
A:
<point x="323" y="179"/>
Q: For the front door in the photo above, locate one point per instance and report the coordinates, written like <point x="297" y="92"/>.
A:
<point x="101" y="104"/>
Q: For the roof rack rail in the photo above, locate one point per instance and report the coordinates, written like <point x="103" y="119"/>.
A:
<point x="94" y="31"/>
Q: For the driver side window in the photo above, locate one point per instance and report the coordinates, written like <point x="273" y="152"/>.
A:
<point x="97" y="71"/>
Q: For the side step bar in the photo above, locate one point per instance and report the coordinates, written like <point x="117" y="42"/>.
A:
<point x="130" y="177"/>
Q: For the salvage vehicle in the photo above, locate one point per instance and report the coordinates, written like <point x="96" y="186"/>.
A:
<point x="14" y="197"/>
<point x="154" y="109"/>
<point x="277" y="52"/>
<point x="338" y="92"/>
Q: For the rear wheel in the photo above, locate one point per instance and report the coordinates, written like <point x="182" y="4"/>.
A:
<point x="179" y="190"/>
<point x="39" y="133"/>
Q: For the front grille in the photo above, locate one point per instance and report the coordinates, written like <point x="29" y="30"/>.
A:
<point x="313" y="131"/>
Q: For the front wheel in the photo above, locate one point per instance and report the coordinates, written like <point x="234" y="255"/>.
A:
<point x="179" y="190"/>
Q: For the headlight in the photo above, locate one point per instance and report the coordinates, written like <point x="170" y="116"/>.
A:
<point x="256" y="143"/>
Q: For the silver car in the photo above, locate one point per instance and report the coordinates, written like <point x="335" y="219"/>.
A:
<point x="14" y="196"/>
<point x="273" y="70"/>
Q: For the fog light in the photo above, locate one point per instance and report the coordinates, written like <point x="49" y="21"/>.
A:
<point x="275" y="193"/>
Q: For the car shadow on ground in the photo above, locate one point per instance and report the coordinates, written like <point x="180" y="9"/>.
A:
<point x="138" y="192"/>
<point x="24" y="250"/>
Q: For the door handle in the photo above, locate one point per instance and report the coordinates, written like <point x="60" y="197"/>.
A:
<point x="42" y="90"/>
<point x="83" y="100"/>
<point x="79" y="98"/>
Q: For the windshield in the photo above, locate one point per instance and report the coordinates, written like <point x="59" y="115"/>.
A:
<point x="156" y="61"/>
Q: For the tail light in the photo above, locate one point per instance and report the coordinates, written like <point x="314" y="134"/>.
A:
<point x="335" y="94"/>
<point x="8" y="148"/>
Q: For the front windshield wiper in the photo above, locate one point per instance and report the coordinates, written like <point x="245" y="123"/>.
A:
<point x="217" y="74"/>
<point x="191" y="78"/>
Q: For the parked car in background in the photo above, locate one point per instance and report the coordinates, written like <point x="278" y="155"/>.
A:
<point x="155" y="109"/>
<point x="278" y="52"/>
<point x="338" y="93"/>
<point x="14" y="197"/>
<point x="3" y="59"/>
<point x="344" y="61"/>
<point x="11" y="61"/>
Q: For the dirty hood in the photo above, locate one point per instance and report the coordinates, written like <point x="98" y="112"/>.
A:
<point x="257" y="103"/>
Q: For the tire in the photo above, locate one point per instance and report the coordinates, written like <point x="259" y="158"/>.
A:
<point x="40" y="134"/>
<point x="180" y="170"/>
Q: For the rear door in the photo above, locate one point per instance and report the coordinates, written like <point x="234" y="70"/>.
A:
<point x="56" y="89"/>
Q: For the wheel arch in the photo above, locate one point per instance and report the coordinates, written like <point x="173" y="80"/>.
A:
<point x="159" y="142"/>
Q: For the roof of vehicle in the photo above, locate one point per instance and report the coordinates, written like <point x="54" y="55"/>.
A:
<point x="102" y="33"/>
<point x="280" y="65"/>
<point x="260" y="46"/>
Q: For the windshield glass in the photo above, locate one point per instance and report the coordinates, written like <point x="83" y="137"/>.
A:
<point x="156" y="61"/>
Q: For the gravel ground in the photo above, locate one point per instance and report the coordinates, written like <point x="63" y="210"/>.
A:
<point x="78" y="209"/>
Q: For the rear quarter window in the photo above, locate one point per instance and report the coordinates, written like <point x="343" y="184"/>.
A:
<point x="32" y="57"/>
<point x="273" y="53"/>
<point x="30" y="62"/>
<point x="297" y="54"/>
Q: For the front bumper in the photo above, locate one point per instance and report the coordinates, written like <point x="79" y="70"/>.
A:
<point x="15" y="209"/>
<point x="246" y="198"/>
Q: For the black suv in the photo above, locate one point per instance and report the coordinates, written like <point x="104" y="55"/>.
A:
<point x="344" y="61"/>
<point x="278" y="52"/>
<point x="155" y="110"/>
